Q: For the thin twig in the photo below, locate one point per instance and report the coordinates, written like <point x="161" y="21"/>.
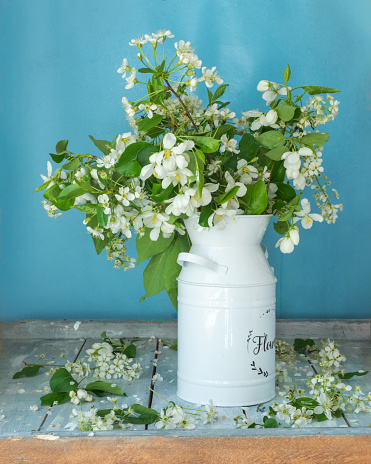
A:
<point x="183" y="104"/>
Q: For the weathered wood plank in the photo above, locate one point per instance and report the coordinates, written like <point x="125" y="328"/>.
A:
<point x="19" y="394"/>
<point x="88" y="329"/>
<point x="297" y="374"/>
<point x="358" y="356"/>
<point x="167" y="369"/>
<point x="138" y="387"/>
<point x="177" y="450"/>
<point x="348" y="329"/>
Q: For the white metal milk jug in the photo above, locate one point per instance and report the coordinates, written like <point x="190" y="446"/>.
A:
<point x="226" y="315"/>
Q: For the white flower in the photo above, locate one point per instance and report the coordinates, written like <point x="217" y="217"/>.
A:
<point x="288" y="242"/>
<point x="131" y="80"/>
<point x="181" y="203"/>
<point x="210" y="76"/>
<point x="292" y="163"/>
<point x="157" y="377"/>
<point x="229" y="145"/>
<point x="305" y="216"/>
<point x="124" y="68"/>
<point x="125" y="196"/>
<point x="34" y="407"/>
<point x="231" y="183"/>
<point x="266" y="120"/>
<point x="139" y="42"/>
<point x="249" y="173"/>
<point x="211" y="414"/>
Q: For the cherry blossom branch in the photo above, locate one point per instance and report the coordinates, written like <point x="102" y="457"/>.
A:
<point x="183" y="104"/>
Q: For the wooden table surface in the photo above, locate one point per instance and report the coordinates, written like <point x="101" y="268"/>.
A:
<point x="40" y="436"/>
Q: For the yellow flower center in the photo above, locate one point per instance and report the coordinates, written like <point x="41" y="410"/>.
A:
<point x="125" y="140"/>
<point x="177" y="177"/>
<point x="167" y="154"/>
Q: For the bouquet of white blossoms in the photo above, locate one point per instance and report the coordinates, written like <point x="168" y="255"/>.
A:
<point x="184" y="158"/>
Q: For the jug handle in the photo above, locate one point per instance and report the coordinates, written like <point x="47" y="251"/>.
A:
<point x="185" y="258"/>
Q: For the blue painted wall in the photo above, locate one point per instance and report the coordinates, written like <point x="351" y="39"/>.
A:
<point x="58" y="80"/>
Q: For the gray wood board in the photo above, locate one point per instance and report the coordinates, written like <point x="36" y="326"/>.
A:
<point x="358" y="357"/>
<point x="62" y="414"/>
<point x="14" y="405"/>
<point x="298" y="374"/>
<point x="358" y="329"/>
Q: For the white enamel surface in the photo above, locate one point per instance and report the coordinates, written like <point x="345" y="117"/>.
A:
<point x="236" y="247"/>
<point x="226" y="323"/>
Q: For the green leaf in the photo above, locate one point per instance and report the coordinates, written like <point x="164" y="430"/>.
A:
<point x="87" y="208"/>
<point x="102" y="217"/>
<point x="315" y="139"/>
<point x="43" y="186"/>
<point x="70" y="192"/>
<point x="285" y="192"/>
<point x="287" y="73"/>
<point x="100" y="244"/>
<point x="276" y="153"/>
<point x="255" y="198"/>
<point x="162" y="194"/>
<point x="61" y="146"/>
<point x="102" y="145"/>
<point x="140" y="409"/>
<point x="28" y="371"/>
<point x="130" y="351"/>
<point x="271" y="139"/>
<point x="199" y="183"/>
<point x="281" y="227"/>
<point x="300" y="345"/>
<point x="337" y="413"/>
<point x="157" y="89"/>
<point x="48" y="400"/>
<point x="146" y="70"/>
<point x="148" y="123"/>
<point x="142" y="419"/>
<point x="248" y="147"/>
<point x="145" y="152"/>
<point x="62" y="381"/>
<point x="147" y="248"/>
<point x="58" y="158"/>
<point x="128" y="165"/>
<point x="227" y="195"/>
<point x="206" y="212"/>
<point x="105" y="387"/>
<point x="153" y="275"/>
<point x="317" y="89"/>
<point x="271" y="423"/>
<point x="223" y="129"/>
<point x="320" y="417"/>
<point x="219" y="92"/>
<point x="286" y="112"/>
<point x="306" y="402"/>
<point x="207" y="144"/>
<point x="173" y="345"/>
<point x="51" y="195"/>
<point x="201" y="155"/>
<point x="349" y="375"/>
<point x="278" y="172"/>
<point x="72" y="165"/>
<point x="155" y="132"/>
<point x="210" y="95"/>
<point x="172" y="269"/>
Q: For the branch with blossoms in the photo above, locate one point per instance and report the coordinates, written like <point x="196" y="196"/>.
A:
<point x="184" y="158"/>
